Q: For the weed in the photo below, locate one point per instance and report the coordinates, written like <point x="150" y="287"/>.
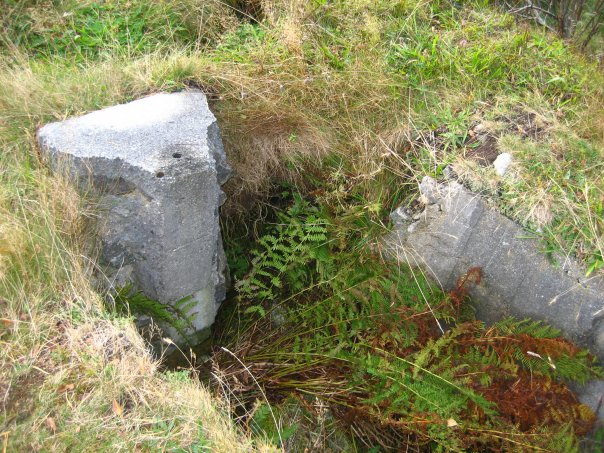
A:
<point x="344" y="91"/>
<point x="128" y="301"/>
<point x="286" y="253"/>
<point x="100" y="29"/>
<point x="359" y="336"/>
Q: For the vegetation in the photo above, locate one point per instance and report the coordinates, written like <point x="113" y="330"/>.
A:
<point x="128" y="301"/>
<point x="570" y="18"/>
<point x="401" y="363"/>
<point x="345" y="104"/>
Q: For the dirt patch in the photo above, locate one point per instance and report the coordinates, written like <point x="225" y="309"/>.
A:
<point x="19" y="397"/>
<point x="525" y="124"/>
<point x="478" y="144"/>
<point x="484" y="151"/>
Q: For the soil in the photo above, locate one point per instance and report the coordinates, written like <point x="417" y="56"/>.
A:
<point x="524" y="124"/>
<point x="485" y="152"/>
<point x="19" y="397"/>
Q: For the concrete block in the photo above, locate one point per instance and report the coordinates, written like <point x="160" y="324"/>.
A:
<point x="518" y="280"/>
<point x="157" y="165"/>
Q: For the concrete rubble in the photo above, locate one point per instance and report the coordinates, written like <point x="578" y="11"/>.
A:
<point x="156" y="165"/>
<point x="457" y="231"/>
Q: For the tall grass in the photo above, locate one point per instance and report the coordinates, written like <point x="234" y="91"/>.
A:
<point x="346" y="90"/>
<point x="74" y="376"/>
<point x="71" y="372"/>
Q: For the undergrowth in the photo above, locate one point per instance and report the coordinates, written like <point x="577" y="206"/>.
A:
<point x="298" y="237"/>
<point x="92" y="30"/>
<point x="128" y="301"/>
<point x="398" y="363"/>
<point x="367" y="95"/>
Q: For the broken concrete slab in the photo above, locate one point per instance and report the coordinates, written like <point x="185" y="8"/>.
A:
<point x="157" y="164"/>
<point x="458" y="231"/>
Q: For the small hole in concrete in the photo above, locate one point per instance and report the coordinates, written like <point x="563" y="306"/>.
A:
<point x="177" y="155"/>
<point x="160" y="174"/>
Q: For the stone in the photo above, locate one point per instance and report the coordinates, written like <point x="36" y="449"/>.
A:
<point x="156" y="165"/>
<point x="449" y="172"/>
<point x="429" y="191"/>
<point x="479" y="128"/>
<point x="502" y="162"/>
<point x="400" y="215"/>
<point x="592" y="394"/>
<point x="458" y="231"/>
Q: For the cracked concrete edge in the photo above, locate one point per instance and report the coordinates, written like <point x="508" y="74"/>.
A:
<point x="156" y="165"/>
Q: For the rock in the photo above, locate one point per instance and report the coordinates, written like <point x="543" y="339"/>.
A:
<point x="502" y="162"/>
<point x="459" y="231"/>
<point x="414" y="226"/>
<point x="591" y="394"/>
<point x="400" y="216"/>
<point x="449" y="172"/>
<point x="479" y="128"/>
<point x="517" y="278"/>
<point x="157" y="165"/>
<point x="429" y="190"/>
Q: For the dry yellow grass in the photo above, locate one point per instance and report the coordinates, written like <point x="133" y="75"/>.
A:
<point x="357" y="84"/>
<point x="73" y="376"/>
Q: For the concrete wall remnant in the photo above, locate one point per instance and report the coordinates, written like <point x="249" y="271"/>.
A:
<point x="157" y="164"/>
<point x="458" y="231"/>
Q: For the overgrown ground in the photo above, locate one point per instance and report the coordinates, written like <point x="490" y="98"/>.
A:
<point x="346" y="102"/>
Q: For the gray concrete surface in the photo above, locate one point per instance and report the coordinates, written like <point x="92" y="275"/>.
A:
<point x="458" y="231"/>
<point x="157" y="164"/>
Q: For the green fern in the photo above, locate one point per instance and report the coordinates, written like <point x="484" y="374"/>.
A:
<point x="537" y="329"/>
<point x="358" y="333"/>
<point x="283" y="255"/>
<point x="130" y="300"/>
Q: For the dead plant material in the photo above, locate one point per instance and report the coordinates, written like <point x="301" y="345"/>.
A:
<point x="552" y="348"/>
<point x="527" y="125"/>
<point x="529" y="402"/>
<point x="460" y="292"/>
<point x="393" y="379"/>
<point x="265" y="145"/>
